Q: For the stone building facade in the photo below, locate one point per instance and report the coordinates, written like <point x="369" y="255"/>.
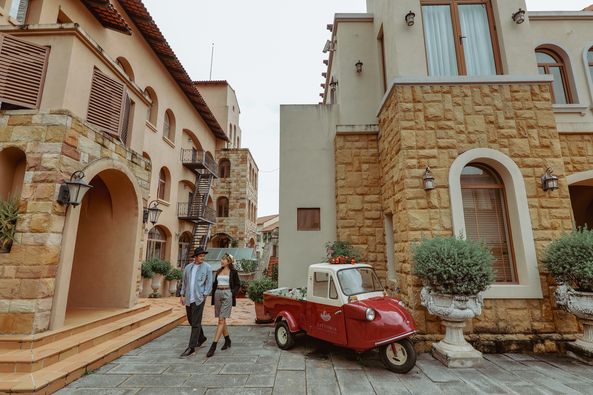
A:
<point x="360" y="156"/>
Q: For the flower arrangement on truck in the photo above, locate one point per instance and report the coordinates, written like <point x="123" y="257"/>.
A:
<point x="345" y="304"/>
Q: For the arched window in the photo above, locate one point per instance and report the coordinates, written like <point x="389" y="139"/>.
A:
<point x="157" y="243"/>
<point x="169" y="125"/>
<point x="125" y="65"/>
<point x="238" y="145"/>
<point x="224" y="168"/>
<point x="13" y="164"/>
<point x="222" y="207"/>
<point x="163" y="186"/>
<point x="184" y="249"/>
<point x="486" y="217"/>
<point x="590" y="61"/>
<point x="153" y="107"/>
<point x="549" y="62"/>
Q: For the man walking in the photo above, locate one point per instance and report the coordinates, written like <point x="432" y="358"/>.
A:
<point x="197" y="284"/>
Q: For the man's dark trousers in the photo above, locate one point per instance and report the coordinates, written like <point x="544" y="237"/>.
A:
<point x="194" y="317"/>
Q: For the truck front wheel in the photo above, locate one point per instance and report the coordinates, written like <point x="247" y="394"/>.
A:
<point x="399" y="357"/>
<point x="284" y="338"/>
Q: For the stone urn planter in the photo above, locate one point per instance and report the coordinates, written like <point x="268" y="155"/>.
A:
<point x="454" y="351"/>
<point x="156" y="283"/>
<point x="581" y="305"/>
<point x="145" y="287"/>
<point x="173" y="286"/>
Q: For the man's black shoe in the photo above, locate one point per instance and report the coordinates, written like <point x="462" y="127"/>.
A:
<point x="200" y="342"/>
<point x="188" y="351"/>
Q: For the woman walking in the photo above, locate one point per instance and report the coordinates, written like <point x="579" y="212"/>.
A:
<point x="225" y="288"/>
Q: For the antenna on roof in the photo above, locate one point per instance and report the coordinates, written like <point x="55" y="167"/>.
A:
<point x="211" y="61"/>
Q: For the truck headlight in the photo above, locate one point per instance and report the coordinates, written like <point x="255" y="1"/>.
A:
<point x="370" y="314"/>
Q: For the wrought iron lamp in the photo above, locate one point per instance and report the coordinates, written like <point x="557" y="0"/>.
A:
<point x="152" y="212"/>
<point x="549" y="181"/>
<point x="410" y="18"/>
<point x="358" y="66"/>
<point x="72" y="192"/>
<point x="428" y="179"/>
<point x="519" y="16"/>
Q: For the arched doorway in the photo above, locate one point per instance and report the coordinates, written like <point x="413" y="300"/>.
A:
<point x="221" y="240"/>
<point x="104" y="260"/>
<point x="581" y="199"/>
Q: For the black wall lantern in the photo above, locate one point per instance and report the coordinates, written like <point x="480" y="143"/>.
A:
<point x="549" y="181"/>
<point x="410" y="18"/>
<point x="152" y="213"/>
<point x="428" y="179"/>
<point x="72" y="192"/>
<point x="358" y="66"/>
<point x="519" y="16"/>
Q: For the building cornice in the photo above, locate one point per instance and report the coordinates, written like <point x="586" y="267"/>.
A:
<point x="559" y="15"/>
<point x="464" y="80"/>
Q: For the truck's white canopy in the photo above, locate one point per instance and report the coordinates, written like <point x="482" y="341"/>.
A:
<point x="335" y="267"/>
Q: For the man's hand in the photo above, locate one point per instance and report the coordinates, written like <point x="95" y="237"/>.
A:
<point x="182" y="300"/>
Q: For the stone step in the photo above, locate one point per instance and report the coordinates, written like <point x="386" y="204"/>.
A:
<point x="26" y="342"/>
<point x="50" y="379"/>
<point x="23" y="361"/>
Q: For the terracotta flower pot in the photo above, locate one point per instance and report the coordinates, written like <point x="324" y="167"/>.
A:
<point x="260" y="314"/>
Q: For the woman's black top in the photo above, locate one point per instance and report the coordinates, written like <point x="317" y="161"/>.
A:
<point x="234" y="284"/>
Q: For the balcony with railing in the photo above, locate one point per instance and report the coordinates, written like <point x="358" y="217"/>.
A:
<point x="196" y="212"/>
<point x="199" y="160"/>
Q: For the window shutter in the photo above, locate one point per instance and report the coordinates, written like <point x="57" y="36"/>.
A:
<point x="106" y="103"/>
<point x="125" y="125"/>
<point x="22" y="71"/>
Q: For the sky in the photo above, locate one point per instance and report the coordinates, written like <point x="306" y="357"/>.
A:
<point x="270" y="52"/>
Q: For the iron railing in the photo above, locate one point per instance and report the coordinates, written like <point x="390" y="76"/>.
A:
<point x="199" y="159"/>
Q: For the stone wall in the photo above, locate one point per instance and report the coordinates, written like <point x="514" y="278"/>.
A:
<point x="358" y="197"/>
<point x="577" y="151"/>
<point x="239" y="190"/>
<point x="431" y="125"/>
<point x="56" y="144"/>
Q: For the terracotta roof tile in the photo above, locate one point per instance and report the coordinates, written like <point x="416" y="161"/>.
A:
<point x="107" y="15"/>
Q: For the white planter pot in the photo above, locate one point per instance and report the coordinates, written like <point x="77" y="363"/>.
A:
<point x="156" y="284"/>
<point x="454" y="351"/>
<point x="145" y="291"/>
<point x="581" y="305"/>
<point x="173" y="287"/>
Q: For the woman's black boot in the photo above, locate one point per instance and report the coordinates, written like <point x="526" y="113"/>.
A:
<point x="227" y="342"/>
<point x="212" y="350"/>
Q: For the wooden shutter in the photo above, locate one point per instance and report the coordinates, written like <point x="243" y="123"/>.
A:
<point x="22" y="71"/>
<point x="308" y="219"/>
<point x="106" y="103"/>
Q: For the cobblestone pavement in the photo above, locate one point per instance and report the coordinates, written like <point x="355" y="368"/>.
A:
<point x="254" y="365"/>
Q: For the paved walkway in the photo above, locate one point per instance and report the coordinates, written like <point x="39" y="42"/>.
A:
<point x="254" y="365"/>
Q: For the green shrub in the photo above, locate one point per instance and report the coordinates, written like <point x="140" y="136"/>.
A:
<point x="9" y="211"/>
<point x="454" y="266"/>
<point x="272" y="272"/>
<point x="256" y="288"/>
<point x="174" y="274"/>
<point x="247" y="265"/>
<point x="570" y="259"/>
<point x="146" y="270"/>
<point x="341" y="248"/>
<point x="159" y="266"/>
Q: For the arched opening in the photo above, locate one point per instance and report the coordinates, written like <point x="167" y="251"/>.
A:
<point x="184" y="247"/>
<point x="125" y="65"/>
<point x="104" y="255"/>
<point x="192" y="140"/>
<point x="224" y="168"/>
<point x="222" y="207"/>
<point x="581" y="199"/>
<point x="251" y="243"/>
<point x="157" y="246"/>
<point x="554" y="61"/>
<point x="164" y="184"/>
<point x="153" y="107"/>
<point x="169" y="125"/>
<point x="221" y="240"/>
<point x="13" y="164"/>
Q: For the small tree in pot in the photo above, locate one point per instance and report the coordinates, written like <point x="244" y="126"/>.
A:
<point x="570" y="260"/>
<point x="173" y="277"/>
<point x="255" y="292"/>
<point x="9" y="211"/>
<point x="160" y="268"/>
<point x="455" y="273"/>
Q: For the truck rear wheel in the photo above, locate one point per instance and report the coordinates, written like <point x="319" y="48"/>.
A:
<point x="284" y="338"/>
<point x="399" y="357"/>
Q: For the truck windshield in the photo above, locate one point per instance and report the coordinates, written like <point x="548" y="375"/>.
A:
<point x="358" y="280"/>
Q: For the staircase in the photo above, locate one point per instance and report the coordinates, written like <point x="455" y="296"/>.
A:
<point x="46" y="362"/>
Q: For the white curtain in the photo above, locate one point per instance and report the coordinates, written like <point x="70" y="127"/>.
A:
<point x="440" y="47"/>
<point x="477" y="44"/>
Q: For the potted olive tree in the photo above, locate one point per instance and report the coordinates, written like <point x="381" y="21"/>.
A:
<point x="9" y="211"/>
<point x="570" y="260"/>
<point x="147" y="274"/>
<point x="247" y="269"/>
<point x="255" y="292"/>
<point x="455" y="273"/>
<point x="173" y="277"/>
<point x="161" y="269"/>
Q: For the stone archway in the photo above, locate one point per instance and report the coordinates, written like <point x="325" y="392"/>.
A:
<point x="99" y="260"/>
<point x="103" y="268"/>
<point x="580" y="187"/>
